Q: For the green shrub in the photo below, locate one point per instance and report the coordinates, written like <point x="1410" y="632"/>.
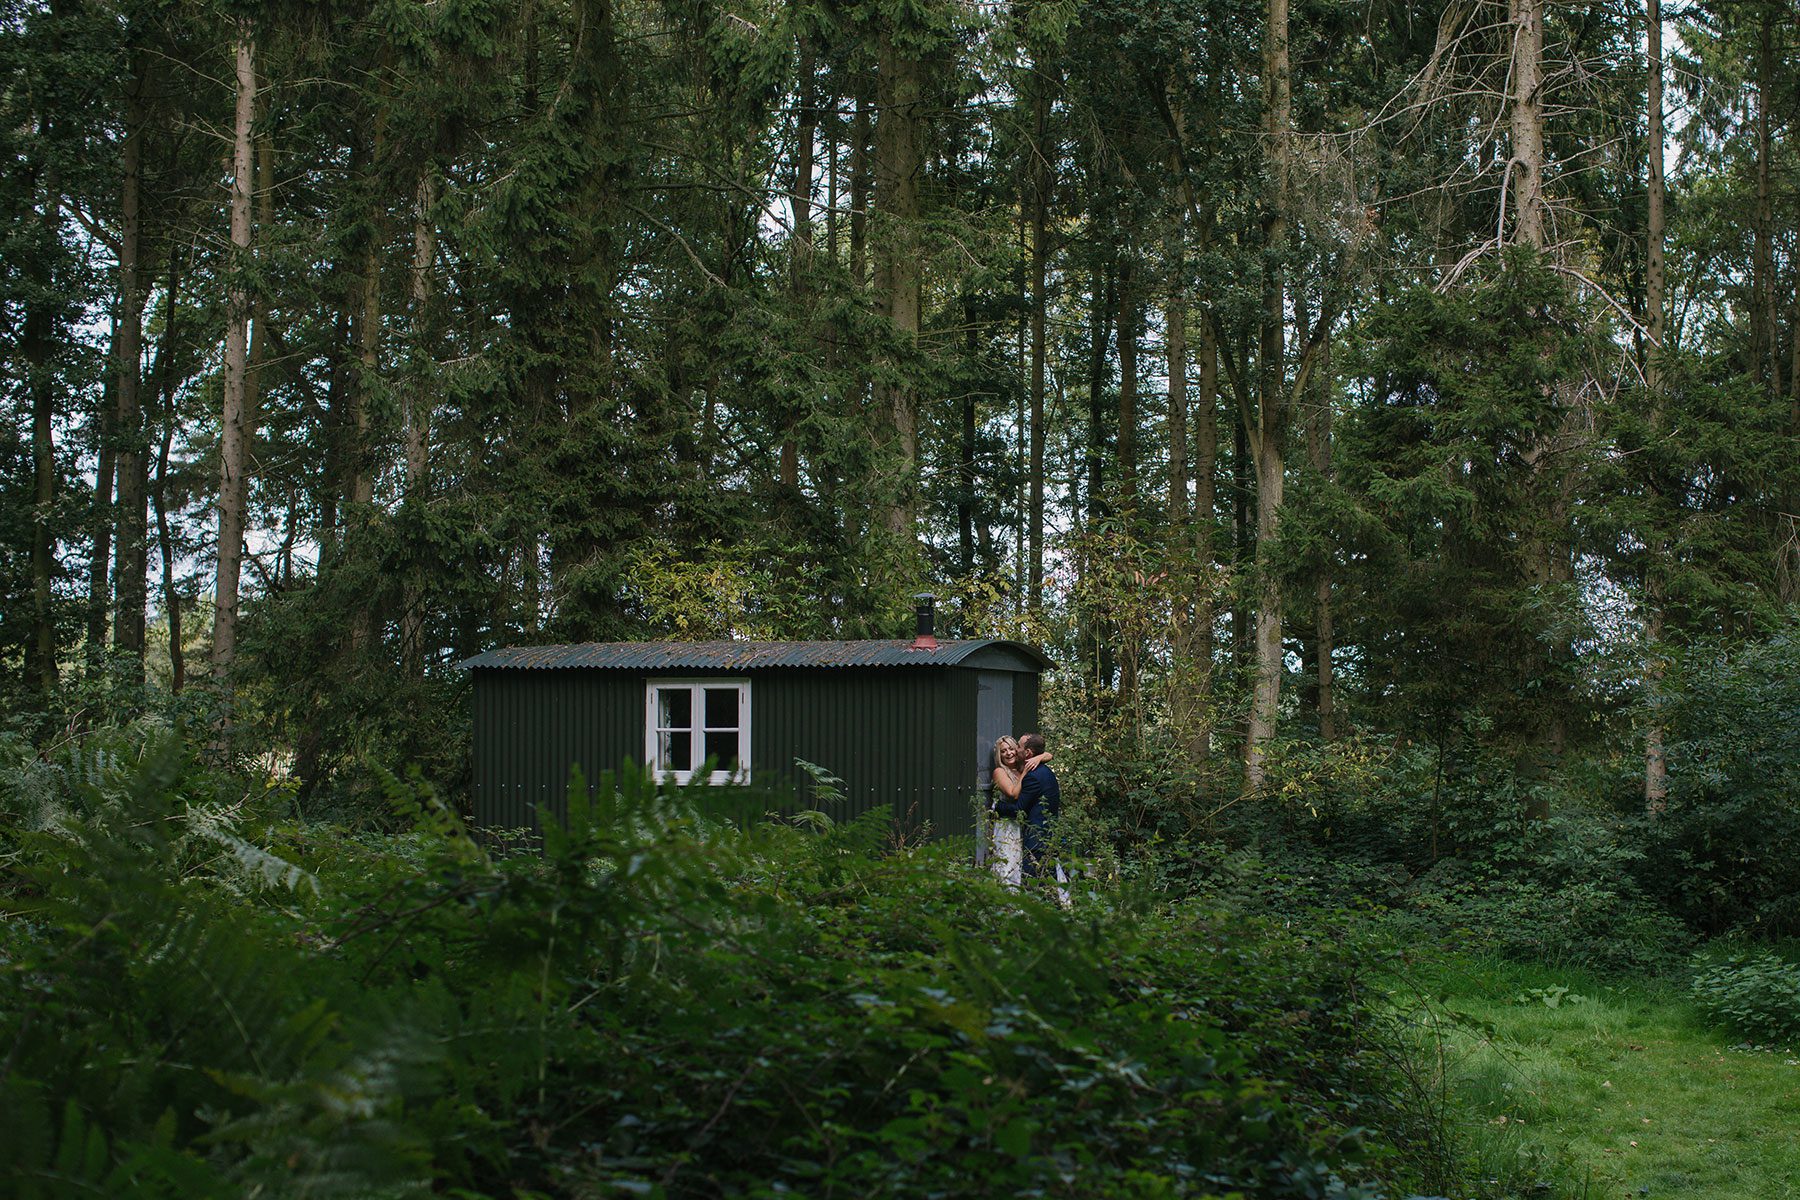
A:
<point x="669" y="999"/>
<point x="1601" y="921"/>
<point x="1721" y="854"/>
<point x="1755" y="993"/>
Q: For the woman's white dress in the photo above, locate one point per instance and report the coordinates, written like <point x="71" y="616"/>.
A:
<point x="1008" y="860"/>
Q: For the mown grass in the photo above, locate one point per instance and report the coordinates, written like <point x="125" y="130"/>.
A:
<point x="1561" y="1083"/>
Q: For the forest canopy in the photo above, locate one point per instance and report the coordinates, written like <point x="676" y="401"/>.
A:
<point x="1297" y="376"/>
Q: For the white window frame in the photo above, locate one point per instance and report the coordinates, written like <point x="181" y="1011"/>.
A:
<point x="697" y="744"/>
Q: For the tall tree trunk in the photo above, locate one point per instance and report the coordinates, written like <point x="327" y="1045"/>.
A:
<point x="419" y="396"/>
<point x="1788" y="568"/>
<point x="37" y="347"/>
<point x="1765" y="362"/>
<point x="1243" y="546"/>
<point x="1206" y="465"/>
<point x="1176" y="354"/>
<point x="1526" y="120"/>
<point x="1128" y="393"/>
<point x="1269" y="444"/>
<point x="1547" y="552"/>
<point x="1185" y="633"/>
<point x="129" y="428"/>
<point x="234" y="436"/>
<point x="1318" y="447"/>
<point x="365" y="378"/>
<point x="1099" y="341"/>
<point x="859" y="189"/>
<point x="1040" y="305"/>
<point x="800" y="192"/>
<point x="899" y="160"/>
<point x="1096" y="637"/>
<point x="367" y="375"/>
<point x="1122" y="641"/>
<point x="1656" y="765"/>
<point x="104" y="516"/>
<point x="832" y="129"/>
<point x="965" y="456"/>
<point x="800" y="242"/>
<point x="337" y="371"/>
<point x="38" y="350"/>
<point x="165" y="392"/>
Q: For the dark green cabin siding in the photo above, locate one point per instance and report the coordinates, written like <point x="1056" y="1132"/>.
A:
<point x="900" y="738"/>
<point x="531" y="727"/>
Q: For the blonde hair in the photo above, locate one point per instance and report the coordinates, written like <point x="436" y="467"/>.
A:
<point x="1004" y="741"/>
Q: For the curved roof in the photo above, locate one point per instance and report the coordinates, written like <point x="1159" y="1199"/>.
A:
<point x="747" y="656"/>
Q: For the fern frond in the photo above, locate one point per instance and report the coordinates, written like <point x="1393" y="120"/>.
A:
<point x="256" y="866"/>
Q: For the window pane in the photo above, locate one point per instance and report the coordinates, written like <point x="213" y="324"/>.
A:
<point x="722" y="708"/>
<point x="675" y="708"/>
<point x="675" y="751"/>
<point x="722" y="748"/>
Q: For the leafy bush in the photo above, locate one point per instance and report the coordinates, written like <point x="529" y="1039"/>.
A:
<point x="1721" y="855"/>
<point x="672" y="998"/>
<point x="1599" y="922"/>
<point x="1755" y="993"/>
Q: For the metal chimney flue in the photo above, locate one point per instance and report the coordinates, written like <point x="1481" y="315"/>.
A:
<point x="925" y="607"/>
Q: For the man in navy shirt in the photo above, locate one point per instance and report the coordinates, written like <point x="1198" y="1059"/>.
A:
<point x="1040" y="800"/>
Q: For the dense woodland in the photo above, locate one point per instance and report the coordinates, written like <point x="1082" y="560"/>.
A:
<point x="1426" y="371"/>
<point x="1387" y="414"/>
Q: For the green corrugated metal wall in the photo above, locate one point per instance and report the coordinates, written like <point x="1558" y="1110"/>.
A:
<point x="532" y="726"/>
<point x="898" y="737"/>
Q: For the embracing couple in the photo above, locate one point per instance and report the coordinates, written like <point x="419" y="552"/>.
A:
<point x="1026" y="799"/>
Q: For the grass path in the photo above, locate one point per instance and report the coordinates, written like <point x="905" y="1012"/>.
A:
<point x="1612" y="1089"/>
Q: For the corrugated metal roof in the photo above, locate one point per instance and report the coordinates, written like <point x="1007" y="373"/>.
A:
<point x="740" y="656"/>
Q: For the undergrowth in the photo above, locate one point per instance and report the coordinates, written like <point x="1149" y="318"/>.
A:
<point x="674" y="996"/>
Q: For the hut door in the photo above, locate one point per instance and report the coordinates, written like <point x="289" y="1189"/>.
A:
<point x="993" y="718"/>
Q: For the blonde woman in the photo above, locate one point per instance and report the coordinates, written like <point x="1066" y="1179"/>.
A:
<point x="1010" y="768"/>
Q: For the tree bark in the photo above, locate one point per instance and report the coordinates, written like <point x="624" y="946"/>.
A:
<point x="1243" y="541"/>
<point x="1656" y="766"/>
<point x="1318" y="445"/>
<point x="859" y="191"/>
<point x="360" y="489"/>
<point x="365" y="378"/>
<point x="133" y="463"/>
<point x="1128" y="393"/>
<point x="1206" y="465"/>
<point x="234" y="436"/>
<point x="1040" y="304"/>
<point x="1526" y="120"/>
<point x="38" y="353"/>
<point x="1123" y="641"/>
<point x="1095" y="635"/>
<point x="800" y="241"/>
<point x="832" y="129"/>
<point x="965" y="458"/>
<point x="337" y="356"/>
<point x="898" y="163"/>
<point x="37" y="350"/>
<point x="1788" y="566"/>
<point x="1099" y="341"/>
<point x="419" y="400"/>
<point x="1176" y="354"/>
<point x="165" y="391"/>
<point x="1269" y="444"/>
<point x="1765" y="363"/>
<point x="104" y="517"/>
<point x="419" y="397"/>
